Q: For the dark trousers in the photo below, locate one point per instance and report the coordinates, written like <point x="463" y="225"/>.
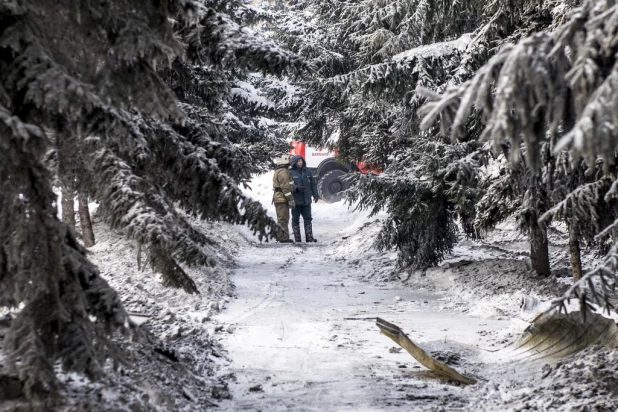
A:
<point x="305" y="211"/>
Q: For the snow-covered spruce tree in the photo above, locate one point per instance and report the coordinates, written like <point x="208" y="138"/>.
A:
<point x="564" y="80"/>
<point x="301" y="113"/>
<point x="253" y="123"/>
<point x="369" y="63"/>
<point x="578" y="199"/>
<point x="351" y="45"/>
<point x="278" y="99"/>
<point x="432" y="188"/>
<point x="250" y="117"/>
<point x="337" y="103"/>
<point x="523" y="194"/>
<point x="520" y="192"/>
<point x="98" y="75"/>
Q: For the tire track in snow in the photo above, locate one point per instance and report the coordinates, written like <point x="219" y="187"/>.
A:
<point x="270" y="294"/>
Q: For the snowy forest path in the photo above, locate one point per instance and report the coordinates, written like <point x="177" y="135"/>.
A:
<point x="292" y="344"/>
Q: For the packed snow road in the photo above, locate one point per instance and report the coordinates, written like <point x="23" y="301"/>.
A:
<point x="297" y="339"/>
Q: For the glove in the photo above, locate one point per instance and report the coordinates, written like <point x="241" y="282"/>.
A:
<point x="292" y="204"/>
<point x="315" y="199"/>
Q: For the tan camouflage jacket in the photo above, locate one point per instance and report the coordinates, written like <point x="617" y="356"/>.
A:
<point x="283" y="181"/>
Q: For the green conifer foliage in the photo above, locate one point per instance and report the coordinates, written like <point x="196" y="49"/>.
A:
<point x="370" y="57"/>
<point x="138" y="90"/>
<point x="556" y="88"/>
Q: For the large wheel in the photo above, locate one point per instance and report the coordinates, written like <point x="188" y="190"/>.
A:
<point x="332" y="185"/>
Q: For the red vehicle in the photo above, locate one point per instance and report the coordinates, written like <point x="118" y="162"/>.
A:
<point x="328" y="170"/>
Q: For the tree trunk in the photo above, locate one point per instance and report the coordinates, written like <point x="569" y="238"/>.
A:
<point x="539" y="252"/>
<point x="172" y="273"/>
<point x="68" y="206"/>
<point x="84" y="220"/>
<point x="139" y="256"/>
<point x="576" y="259"/>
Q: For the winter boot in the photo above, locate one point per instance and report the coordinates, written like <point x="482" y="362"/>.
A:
<point x="296" y="230"/>
<point x="286" y="241"/>
<point x="309" y="233"/>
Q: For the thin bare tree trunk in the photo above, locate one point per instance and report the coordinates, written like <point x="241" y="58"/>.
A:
<point x="576" y="258"/>
<point x="68" y="206"/>
<point x="84" y="220"/>
<point x="139" y="256"/>
<point x="539" y="252"/>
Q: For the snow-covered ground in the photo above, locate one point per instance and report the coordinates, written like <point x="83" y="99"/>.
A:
<point x="298" y="339"/>
<point x="292" y="327"/>
<point x="296" y="334"/>
<point x="170" y="363"/>
<point x="301" y="334"/>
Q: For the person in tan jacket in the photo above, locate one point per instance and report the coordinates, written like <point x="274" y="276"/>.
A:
<point x="283" y="198"/>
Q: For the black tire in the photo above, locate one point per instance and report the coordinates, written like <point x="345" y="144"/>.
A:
<point x="332" y="185"/>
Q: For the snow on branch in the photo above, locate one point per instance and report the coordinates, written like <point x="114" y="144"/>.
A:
<point x="131" y="206"/>
<point x="579" y="202"/>
<point x="548" y="78"/>
<point x="597" y="287"/>
<point x="225" y="42"/>
<point x="45" y="273"/>
<point x="440" y="49"/>
<point x="395" y="78"/>
<point x="552" y="88"/>
<point x="249" y="94"/>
